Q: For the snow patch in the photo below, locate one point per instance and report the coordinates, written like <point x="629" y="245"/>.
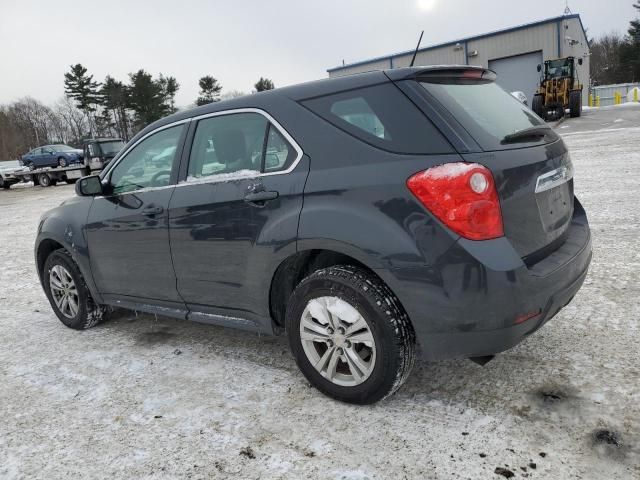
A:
<point x="221" y="177"/>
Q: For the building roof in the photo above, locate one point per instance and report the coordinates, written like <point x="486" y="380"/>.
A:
<point x="463" y="40"/>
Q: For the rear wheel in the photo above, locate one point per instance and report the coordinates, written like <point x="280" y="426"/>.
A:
<point x="44" y="180"/>
<point x="575" y="103"/>
<point x="537" y="105"/>
<point x="62" y="162"/>
<point x="68" y="293"/>
<point x="349" y="335"/>
<point x="4" y="184"/>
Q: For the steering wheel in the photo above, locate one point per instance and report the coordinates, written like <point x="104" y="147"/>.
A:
<point x="155" y="179"/>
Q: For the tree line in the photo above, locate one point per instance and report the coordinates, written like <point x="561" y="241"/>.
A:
<point x="615" y="58"/>
<point x="99" y="109"/>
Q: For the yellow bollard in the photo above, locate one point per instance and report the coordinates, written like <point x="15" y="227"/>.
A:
<point x="635" y="94"/>
<point x="591" y="99"/>
<point x="615" y="98"/>
<point x="598" y="101"/>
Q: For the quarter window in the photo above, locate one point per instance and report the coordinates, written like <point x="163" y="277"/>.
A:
<point x="279" y="154"/>
<point x="148" y="164"/>
<point x="383" y="117"/>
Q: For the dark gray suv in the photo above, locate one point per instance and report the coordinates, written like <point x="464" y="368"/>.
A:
<point x="362" y="215"/>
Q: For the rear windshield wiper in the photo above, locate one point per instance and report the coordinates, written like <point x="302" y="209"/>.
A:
<point x="530" y="133"/>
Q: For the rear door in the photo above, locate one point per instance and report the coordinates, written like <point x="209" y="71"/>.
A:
<point x="127" y="228"/>
<point x="236" y="212"/>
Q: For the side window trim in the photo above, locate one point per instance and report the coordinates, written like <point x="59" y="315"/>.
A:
<point x="271" y="122"/>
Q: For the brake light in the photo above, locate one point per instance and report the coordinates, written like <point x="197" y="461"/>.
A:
<point x="463" y="196"/>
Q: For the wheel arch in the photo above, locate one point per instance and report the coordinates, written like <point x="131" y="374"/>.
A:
<point x="47" y="242"/>
<point x="301" y="264"/>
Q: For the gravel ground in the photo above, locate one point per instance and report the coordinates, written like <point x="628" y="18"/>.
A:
<point x="146" y="397"/>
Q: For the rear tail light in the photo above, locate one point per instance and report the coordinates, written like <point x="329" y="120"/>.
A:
<point x="463" y="196"/>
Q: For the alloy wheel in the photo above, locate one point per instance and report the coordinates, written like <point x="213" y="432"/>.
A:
<point x="337" y="341"/>
<point x="64" y="291"/>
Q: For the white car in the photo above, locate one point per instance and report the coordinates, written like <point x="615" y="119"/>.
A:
<point x="6" y="173"/>
<point x="520" y="96"/>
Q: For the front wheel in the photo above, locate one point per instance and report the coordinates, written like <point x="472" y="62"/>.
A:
<point x="68" y="293"/>
<point x="349" y="335"/>
<point x="537" y="105"/>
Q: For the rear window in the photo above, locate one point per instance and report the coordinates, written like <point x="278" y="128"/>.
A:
<point x="383" y="117"/>
<point x="485" y="110"/>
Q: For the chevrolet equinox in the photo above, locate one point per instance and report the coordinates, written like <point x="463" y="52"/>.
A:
<point x="363" y="216"/>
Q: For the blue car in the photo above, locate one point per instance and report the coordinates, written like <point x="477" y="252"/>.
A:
<point x="52" y="156"/>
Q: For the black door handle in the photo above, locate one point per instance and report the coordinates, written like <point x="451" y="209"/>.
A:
<point x="259" y="198"/>
<point x="152" y="210"/>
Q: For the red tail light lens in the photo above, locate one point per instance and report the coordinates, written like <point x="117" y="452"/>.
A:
<point x="463" y="196"/>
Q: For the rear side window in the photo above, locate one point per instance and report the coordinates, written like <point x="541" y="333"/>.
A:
<point x="383" y="117"/>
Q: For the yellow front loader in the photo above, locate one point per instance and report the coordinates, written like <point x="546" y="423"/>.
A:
<point x="559" y="89"/>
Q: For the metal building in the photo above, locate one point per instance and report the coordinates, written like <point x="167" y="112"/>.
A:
<point x="513" y="54"/>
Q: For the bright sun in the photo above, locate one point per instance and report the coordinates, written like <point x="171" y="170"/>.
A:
<point x="426" y="5"/>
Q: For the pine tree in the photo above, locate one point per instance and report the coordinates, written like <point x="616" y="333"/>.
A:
<point x="630" y="50"/>
<point x="145" y="97"/>
<point x="170" y="87"/>
<point x="209" y="90"/>
<point x="114" y="100"/>
<point x="264" y="84"/>
<point x="84" y="90"/>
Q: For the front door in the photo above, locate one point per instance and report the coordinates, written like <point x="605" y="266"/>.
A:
<point x="127" y="228"/>
<point x="231" y="215"/>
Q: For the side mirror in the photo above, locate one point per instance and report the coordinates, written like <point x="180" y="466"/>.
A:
<point x="89" y="186"/>
<point x="579" y="61"/>
<point x="539" y="67"/>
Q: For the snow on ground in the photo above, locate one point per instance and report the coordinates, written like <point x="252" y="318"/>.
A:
<point x="140" y="397"/>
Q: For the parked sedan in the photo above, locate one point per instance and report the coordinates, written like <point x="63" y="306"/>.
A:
<point x="361" y="216"/>
<point x="52" y="156"/>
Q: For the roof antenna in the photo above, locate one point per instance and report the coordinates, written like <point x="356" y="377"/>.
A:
<point x="417" y="47"/>
<point x="567" y="10"/>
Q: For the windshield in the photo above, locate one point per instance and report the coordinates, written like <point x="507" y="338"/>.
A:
<point x="111" y="148"/>
<point x="485" y="110"/>
<point x="558" y="68"/>
<point x="62" y="148"/>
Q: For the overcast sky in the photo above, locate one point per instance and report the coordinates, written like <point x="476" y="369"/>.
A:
<point x="237" y="41"/>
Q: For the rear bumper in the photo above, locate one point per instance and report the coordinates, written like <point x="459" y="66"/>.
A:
<point x="481" y="298"/>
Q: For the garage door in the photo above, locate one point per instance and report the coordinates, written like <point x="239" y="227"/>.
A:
<point x="518" y="73"/>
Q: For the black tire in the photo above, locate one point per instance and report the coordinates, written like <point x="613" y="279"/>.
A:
<point x="389" y="324"/>
<point x="44" y="180"/>
<point x="29" y="165"/>
<point x="89" y="313"/>
<point x="575" y="103"/>
<point x="62" y="162"/>
<point x="4" y="184"/>
<point x="537" y="105"/>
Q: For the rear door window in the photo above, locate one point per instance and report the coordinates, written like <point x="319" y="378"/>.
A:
<point x="383" y="117"/>
<point x="486" y="111"/>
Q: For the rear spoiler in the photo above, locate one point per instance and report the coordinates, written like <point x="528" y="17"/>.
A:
<point x="443" y="74"/>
